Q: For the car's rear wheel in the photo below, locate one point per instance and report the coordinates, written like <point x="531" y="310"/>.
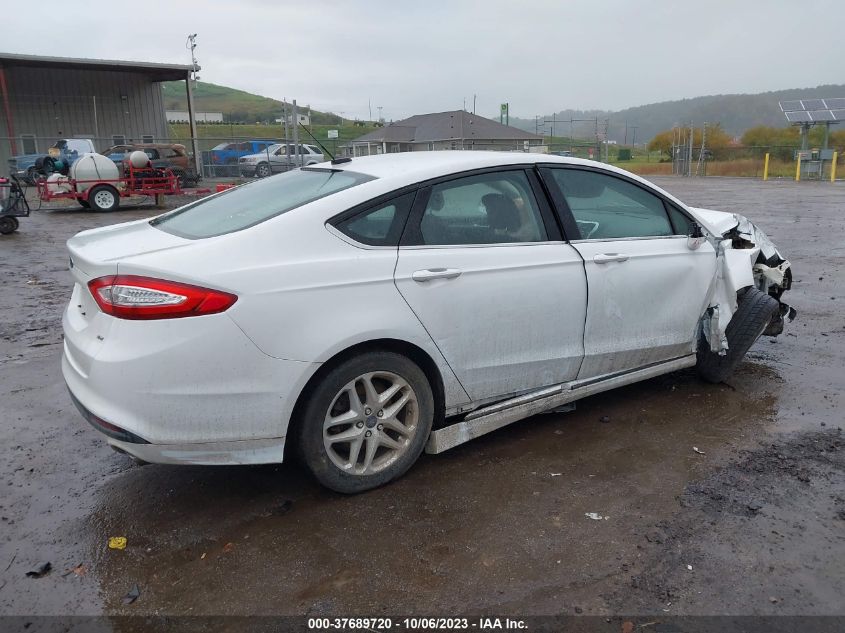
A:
<point x="103" y="198"/>
<point x="262" y="170"/>
<point x="366" y="422"/>
<point x="753" y="314"/>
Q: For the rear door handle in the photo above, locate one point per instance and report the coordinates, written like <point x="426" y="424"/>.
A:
<point x="435" y="273"/>
<point x="604" y="258"/>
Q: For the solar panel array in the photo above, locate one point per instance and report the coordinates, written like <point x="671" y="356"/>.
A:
<point x="814" y="110"/>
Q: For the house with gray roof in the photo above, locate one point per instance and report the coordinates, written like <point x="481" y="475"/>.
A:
<point x="443" y="130"/>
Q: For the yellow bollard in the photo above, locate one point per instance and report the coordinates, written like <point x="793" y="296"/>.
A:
<point x="766" y="167"/>
<point x="833" y="167"/>
<point x="798" y="169"/>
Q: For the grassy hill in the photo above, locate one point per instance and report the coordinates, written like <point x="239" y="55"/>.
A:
<point x="736" y="113"/>
<point x="236" y="105"/>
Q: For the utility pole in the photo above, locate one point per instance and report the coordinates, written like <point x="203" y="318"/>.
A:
<point x="379" y="113"/>
<point x="295" y="122"/>
<point x="606" y="143"/>
<point x="689" y="156"/>
<point x="473" y="104"/>
<point x="287" y="138"/>
<point x="190" y="83"/>
<point x="634" y="135"/>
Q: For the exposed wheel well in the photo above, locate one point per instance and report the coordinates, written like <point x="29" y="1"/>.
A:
<point x="409" y="350"/>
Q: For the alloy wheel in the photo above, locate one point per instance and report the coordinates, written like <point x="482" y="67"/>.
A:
<point x="371" y="423"/>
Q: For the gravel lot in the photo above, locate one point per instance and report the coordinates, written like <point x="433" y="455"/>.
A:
<point x="754" y="525"/>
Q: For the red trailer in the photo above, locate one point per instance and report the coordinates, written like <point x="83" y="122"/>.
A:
<point x="105" y="195"/>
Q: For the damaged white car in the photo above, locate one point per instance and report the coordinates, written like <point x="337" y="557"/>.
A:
<point x="361" y="311"/>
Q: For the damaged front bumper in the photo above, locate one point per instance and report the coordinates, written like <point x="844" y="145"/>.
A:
<point x="745" y="257"/>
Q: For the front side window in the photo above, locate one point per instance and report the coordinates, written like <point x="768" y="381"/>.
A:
<point x="606" y="207"/>
<point x="245" y="206"/>
<point x="380" y="225"/>
<point x="495" y="208"/>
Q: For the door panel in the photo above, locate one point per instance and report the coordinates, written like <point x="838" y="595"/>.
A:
<point x="507" y="318"/>
<point x="645" y="308"/>
<point x="647" y="288"/>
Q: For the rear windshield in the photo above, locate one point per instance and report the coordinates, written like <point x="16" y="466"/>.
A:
<point x="248" y="205"/>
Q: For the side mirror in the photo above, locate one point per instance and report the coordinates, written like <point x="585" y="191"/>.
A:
<point x="695" y="237"/>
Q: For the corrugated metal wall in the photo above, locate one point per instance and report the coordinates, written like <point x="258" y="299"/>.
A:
<point x="58" y="103"/>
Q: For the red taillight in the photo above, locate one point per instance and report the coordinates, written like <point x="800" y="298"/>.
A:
<point x="135" y="297"/>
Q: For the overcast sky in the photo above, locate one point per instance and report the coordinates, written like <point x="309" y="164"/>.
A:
<point x="412" y="56"/>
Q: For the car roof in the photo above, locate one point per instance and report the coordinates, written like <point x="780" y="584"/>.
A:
<point x="403" y="168"/>
<point x="424" y="165"/>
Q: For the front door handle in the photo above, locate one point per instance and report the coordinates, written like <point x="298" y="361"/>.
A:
<point x="435" y="273"/>
<point x="604" y="258"/>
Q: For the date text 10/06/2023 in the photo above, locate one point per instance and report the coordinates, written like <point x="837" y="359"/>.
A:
<point x="415" y="624"/>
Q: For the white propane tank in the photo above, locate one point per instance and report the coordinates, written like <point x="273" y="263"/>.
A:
<point x="93" y="167"/>
<point x="139" y="159"/>
<point x="56" y="183"/>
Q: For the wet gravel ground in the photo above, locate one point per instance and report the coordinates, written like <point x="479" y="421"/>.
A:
<point x="750" y="521"/>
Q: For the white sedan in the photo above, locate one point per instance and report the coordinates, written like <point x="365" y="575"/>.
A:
<point x="361" y="311"/>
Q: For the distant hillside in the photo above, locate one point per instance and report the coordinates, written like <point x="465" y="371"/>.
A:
<point x="237" y="106"/>
<point x="736" y="113"/>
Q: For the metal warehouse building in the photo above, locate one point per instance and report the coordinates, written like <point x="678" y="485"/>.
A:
<point x="112" y="102"/>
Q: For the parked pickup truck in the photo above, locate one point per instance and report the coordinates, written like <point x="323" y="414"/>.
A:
<point x="224" y="157"/>
<point x="60" y="156"/>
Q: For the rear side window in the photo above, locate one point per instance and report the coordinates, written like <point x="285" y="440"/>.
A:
<point x="380" y="225"/>
<point x="248" y="205"/>
<point x="606" y="207"/>
<point x="494" y="208"/>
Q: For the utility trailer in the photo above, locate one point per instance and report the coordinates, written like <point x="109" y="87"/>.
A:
<point x="105" y="194"/>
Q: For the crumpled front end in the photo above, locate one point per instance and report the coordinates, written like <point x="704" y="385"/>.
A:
<point x="746" y="257"/>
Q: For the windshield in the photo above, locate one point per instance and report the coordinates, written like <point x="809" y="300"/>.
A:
<point x="74" y="145"/>
<point x="248" y="205"/>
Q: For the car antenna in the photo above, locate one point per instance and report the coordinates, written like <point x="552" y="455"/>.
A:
<point x="322" y="147"/>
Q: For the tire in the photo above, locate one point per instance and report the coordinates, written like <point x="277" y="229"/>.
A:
<point x="45" y="165"/>
<point x="752" y="317"/>
<point x="8" y="224"/>
<point x="103" y="198"/>
<point x="262" y="170"/>
<point x="387" y="445"/>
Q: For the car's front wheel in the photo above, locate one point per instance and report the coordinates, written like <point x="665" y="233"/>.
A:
<point x="262" y="170"/>
<point x="754" y="312"/>
<point x="366" y="422"/>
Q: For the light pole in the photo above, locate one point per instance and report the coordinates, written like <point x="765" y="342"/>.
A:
<point x="191" y="44"/>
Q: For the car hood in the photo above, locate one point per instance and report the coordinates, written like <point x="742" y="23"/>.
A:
<point x="716" y="222"/>
<point x="27" y="158"/>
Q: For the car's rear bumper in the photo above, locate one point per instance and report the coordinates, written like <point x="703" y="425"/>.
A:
<point x="268" y="451"/>
<point x="193" y="390"/>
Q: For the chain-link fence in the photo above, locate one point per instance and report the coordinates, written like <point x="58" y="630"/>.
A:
<point x="242" y="155"/>
<point x="220" y="157"/>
